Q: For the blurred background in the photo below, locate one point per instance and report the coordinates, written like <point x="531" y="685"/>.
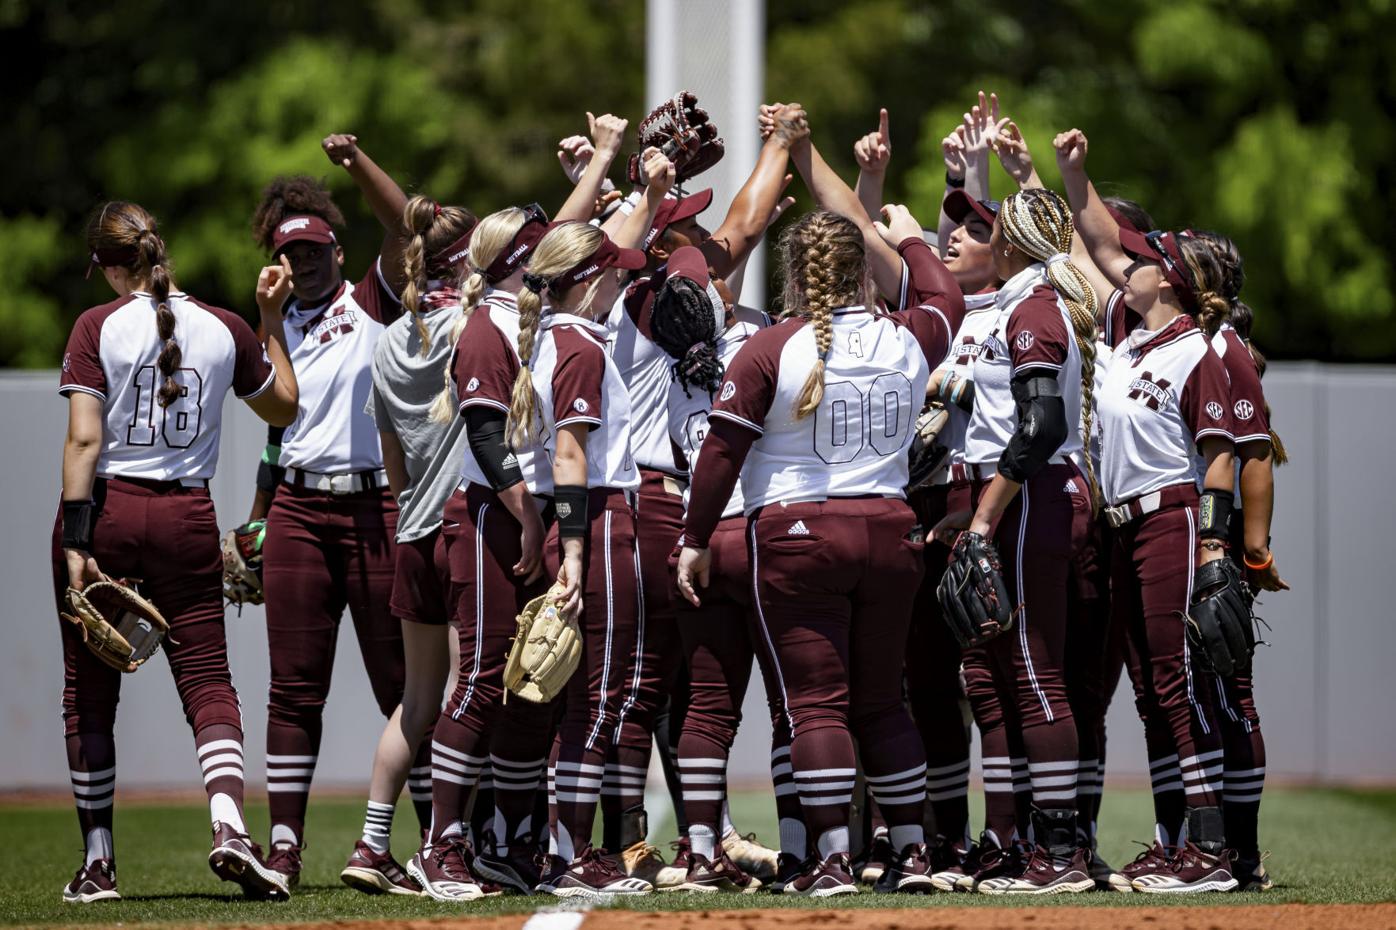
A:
<point x="1265" y="119"/>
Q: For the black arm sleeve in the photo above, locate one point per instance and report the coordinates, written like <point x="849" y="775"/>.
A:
<point x="485" y="433"/>
<point x="719" y="466"/>
<point x="1041" y="428"/>
<point x="269" y="474"/>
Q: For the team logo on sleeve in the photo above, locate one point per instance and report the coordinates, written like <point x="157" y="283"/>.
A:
<point x="1153" y="393"/>
<point x="1243" y="410"/>
<point x="1215" y="410"/>
<point x="472" y="384"/>
<point x="67" y="360"/>
<point x="580" y="405"/>
<point x="1024" y="340"/>
<point x="729" y="390"/>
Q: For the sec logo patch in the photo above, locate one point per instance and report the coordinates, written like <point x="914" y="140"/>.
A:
<point x="1215" y="410"/>
<point x="729" y="390"/>
<point x="472" y="384"/>
<point x="1243" y="410"/>
<point x="580" y="405"/>
<point x="1024" y="341"/>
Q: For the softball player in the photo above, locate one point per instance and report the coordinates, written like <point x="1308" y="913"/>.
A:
<point x="332" y="522"/>
<point x="833" y="560"/>
<point x="145" y="376"/>
<point x="421" y="458"/>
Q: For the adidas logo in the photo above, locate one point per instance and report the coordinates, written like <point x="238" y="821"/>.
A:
<point x="1071" y="486"/>
<point x="510" y="461"/>
<point x="798" y="529"/>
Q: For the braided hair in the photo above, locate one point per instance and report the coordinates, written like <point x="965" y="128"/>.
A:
<point x="492" y="236"/>
<point x="686" y="326"/>
<point x="1037" y="222"/>
<point x="826" y="267"/>
<point x="430" y="228"/>
<point x="128" y="230"/>
<point x="562" y="248"/>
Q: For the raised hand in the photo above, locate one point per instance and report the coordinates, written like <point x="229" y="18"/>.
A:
<point x="952" y="147"/>
<point x="790" y="124"/>
<point x="574" y="154"/>
<point x="766" y="118"/>
<point x="900" y="225"/>
<point x="658" y="172"/>
<point x="342" y="148"/>
<point x="607" y="133"/>
<point x="274" y="286"/>
<point x="979" y="125"/>
<point x="874" y="151"/>
<point x="1071" y="150"/>
<point x="1012" y="150"/>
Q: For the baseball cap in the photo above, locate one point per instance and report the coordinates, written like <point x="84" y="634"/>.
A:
<point x="689" y="262"/>
<point x="958" y="204"/>
<point x="1165" y="249"/>
<point x="301" y="227"/>
<point x="675" y="209"/>
<point x="535" y="226"/>
<point x="607" y="255"/>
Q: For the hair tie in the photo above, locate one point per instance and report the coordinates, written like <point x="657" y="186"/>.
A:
<point x="1058" y="259"/>
<point x="435" y="208"/>
<point x="534" y="282"/>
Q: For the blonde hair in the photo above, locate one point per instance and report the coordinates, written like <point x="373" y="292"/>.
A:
<point x="491" y="237"/>
<point x="430" y="228"/>
<point x="1037" y="222"/>
<point x="826" y="267"/>
<point x="562" y="248"/>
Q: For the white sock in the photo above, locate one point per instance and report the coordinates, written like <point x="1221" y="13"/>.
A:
<point x="703" y="840"/>
<point x="378" y="826"/>
<point x="833" y="841"/>
<point x="793" y="839"/>
<point x="454" y="828"/>
<point x="727" y="825"/>
<point x="280" y="833"/>
<point x="98" y="844"/>
<point x="907" y="834"/>
<point x="223" y="808"/>
<point x="564" y="844"/>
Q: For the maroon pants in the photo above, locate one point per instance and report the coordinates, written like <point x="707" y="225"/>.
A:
<point x="659" y="514"/>
<point x="422" y="581"/>
<point x="165" y="536"/>
<point x="834" y="583"/>
<point x="598" y="697"/>
<point x="1037" y="536"/>
<point x="323" y="552"/>
<point x="1151" y="583"/>
<point x="718" y="641"/>
<point x="933" y="684"/>
<point x="478" y="728"/>
<point x="1087" y="658"/>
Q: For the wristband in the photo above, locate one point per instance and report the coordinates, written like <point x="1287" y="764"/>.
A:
<point x="570" y="502"/>
<point x="628" y="205"/>
<point x="1269" y="560"/>
<point x="78" y="517"/>
<point x="952" y="181"/>
<point x="1214" y="514"/>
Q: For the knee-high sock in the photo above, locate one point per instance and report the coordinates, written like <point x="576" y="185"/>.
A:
<point x="92" y="770"/>
<point x="220" y="758"/>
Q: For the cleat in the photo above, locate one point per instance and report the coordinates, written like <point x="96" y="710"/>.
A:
<point x="788" y="868"/>
<point x="373" y="872"/>
<point x="1250" y="873"/>
<point x="824" y="879"/>
<point x="749" y="855"/>
<point x="674" y="874"/>
<point x="643" y="861"/>
<point x="95" y="882"/>
<point x="1106" y="876"/>
<point x="285" y="860"/>
<point x="986" y="862"/>
<point x="517" y="870"/>
<point x="910" y="873"/>
<point x="948" y="864"/>
<point x="720" y="874"/>
<point x="1191" y="870"/>
<point x="441" y="871"/>
<point x="1044" y="873"/>
<point x="595" y="877"/>
<point x="235" y="858"/>
<point x="878" y="857"/>
<point x="550" y="868"/>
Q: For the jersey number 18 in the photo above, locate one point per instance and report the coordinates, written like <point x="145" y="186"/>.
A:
<point x="179" y="422"/>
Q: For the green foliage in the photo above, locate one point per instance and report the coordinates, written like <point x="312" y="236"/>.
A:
<point x="1259" y="119"/>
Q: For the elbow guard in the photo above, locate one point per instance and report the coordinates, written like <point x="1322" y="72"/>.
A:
<point x="1214" y="515"/>
<point x="485" y="434"/>
<point x="1041" y="428"/>
<point x="270" y="474"/>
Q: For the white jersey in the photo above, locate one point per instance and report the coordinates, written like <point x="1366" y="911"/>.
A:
<point x="332" y="352"/>
<point x="689" y="409"/>
<point x="577" y="382"/>
<point x="644" y="368"/>
<point x="1164" y="392"/>
<point x="484" y="368"/>
<point x="856" y="441"/>
<point x="980" y="315"/>
<point x="1032" y="333"/>
<point x="113" y="355"/>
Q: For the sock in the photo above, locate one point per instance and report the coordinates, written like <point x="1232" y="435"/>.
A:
<point x="99" y="845"/>
<point x="92" y="770"/>
<point x="292" y="751"/>
<point x="378" y="826"/>
<point x="220" y="758"/>
<point x="906" y="834"/>
<point x="703" y="840"/>
<point x="727" y="825"/>
<point x="901" y="799"/>
<point x="453" y="776"/>
<point x="516" y="785"/>
<point x="419" y="782"/>
<point x="1000" y="811"/>
<point x="793" y="840"/>
<point x="833" y="840"/>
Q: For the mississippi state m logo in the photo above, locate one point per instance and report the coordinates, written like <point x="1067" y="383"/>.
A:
<point x="1153" y="393"/>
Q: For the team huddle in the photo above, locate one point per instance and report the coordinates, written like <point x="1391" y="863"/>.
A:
<point x="988" y="466"/>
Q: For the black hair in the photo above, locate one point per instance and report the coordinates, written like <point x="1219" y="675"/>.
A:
<point x="289" y="195"/>
<point x="685" y="326"/>
<point x="1138" y="217"/>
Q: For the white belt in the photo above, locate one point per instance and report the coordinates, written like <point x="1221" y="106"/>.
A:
<point x="344" y="483"/>
<point x="985" y="471"/>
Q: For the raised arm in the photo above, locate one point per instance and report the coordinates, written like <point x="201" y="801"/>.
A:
<point x="952" y="147"/>
<point x="1097" y="228"/>
<point x="607" y="136"/>
<point x="873" y="153"/>
<point x="279" y="405"/>
<point x="383" y="196"/>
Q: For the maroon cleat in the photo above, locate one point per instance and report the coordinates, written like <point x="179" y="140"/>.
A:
<point x="517" y="870"/>
<point x="1191" y="870"/>
<point x="594" y="876"/>
<point x="373" y="872"/>
<point x="788" y="868"/>
<point x="824" y="879"/>
<point x="910" y="872"/>
<point x="1045" y="873"/>
<point x="878" y="857"/>
<point x="987" y="861"/>
<point x="285" y="860"/>
<point x="95" y="882"/>
<point x="441" y="870"/>
<point x="719" y="874"/>
<point x="235" y="858"/>
<point x="948" y="864"/>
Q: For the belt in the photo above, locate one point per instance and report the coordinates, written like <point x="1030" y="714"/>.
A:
<point x="159" y="483"/>
<point x="346" y="483"/>
<point x="1171" y="496"/>
<point x="965" y="471"/>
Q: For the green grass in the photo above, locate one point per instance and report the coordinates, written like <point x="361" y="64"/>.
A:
<point x="1330" y="846"/>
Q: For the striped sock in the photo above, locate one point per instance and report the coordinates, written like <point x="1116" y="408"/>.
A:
<point x="901" y="797"/>
<point x="220" y="758"/>
<point x="378" y="826"/>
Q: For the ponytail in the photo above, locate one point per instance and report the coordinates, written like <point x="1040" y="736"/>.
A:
<point x="685" y="325"/>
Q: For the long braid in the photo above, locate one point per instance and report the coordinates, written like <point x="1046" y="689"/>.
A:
<point x="1038" y="223"/>
<point x="685" y="325"/>
<point x="523" y="401"/>
<point x="431" y="229"/>
<point x="826" y="267"/>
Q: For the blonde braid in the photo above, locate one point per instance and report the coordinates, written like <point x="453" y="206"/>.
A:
<point x="417" y="217"/>
<point x="1038" y="223"/>
<point x="826" y="267"/>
